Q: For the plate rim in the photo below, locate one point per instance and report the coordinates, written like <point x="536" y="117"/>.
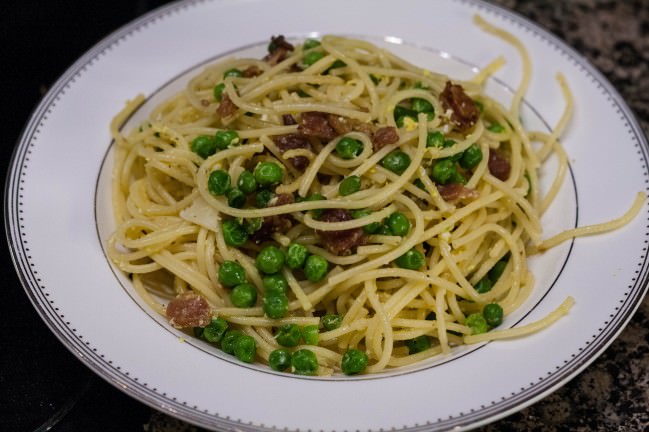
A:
<point x="587" y="353"/>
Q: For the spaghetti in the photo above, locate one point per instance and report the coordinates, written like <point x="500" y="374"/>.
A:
<point x="333" y="208"/>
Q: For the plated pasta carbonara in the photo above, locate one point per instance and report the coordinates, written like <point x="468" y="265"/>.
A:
<point x="332" y="208"/>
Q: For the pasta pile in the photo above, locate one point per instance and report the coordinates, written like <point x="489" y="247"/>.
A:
<point x="381" y="213"/>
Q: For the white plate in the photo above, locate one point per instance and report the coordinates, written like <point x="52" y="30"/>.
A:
<point x="57" y="216"/>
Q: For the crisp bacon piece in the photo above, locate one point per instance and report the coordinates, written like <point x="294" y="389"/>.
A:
<point x="465" y="113"/>
<point x="291" y="142"/>
<point x="380" y="137"/>
<point x="384" y="136"/>
<point x="251" y="71"/>
<point x="499" y="167"/>
<point x="277" y="42"/>
<point x="189" y="310"/>
<point x="343" y="125"/>
<point x="456" y="191"/>
<point x="288" y="120"/>
<point x="281" y="199"/>
<point x="300" y="163"/>
<point x="277" y="56"/>
<point x="276" y="223"/>
<point x="315" y="124"/>
<point x="271" y="224"/>
<point x="279" y="50"/>
<point x="344" y="241"/>
<point x="226" y="107"/>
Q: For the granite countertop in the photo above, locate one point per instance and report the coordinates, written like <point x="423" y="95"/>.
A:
<point x="611" y="394"/>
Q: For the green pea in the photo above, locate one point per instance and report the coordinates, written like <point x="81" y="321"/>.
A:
<point x="384" y="229"/>
<point x="279" y="360"/>
<point x="396" y="161"/>
<point x="301" y="93"/>
<point x="420" y="85"/>
<point x="315" y="268"/>
<point x="198" y="332"/>
<point x="227" y="343"/>
<point x="354" y="362"/>
<point x="296" y="256"/>
<point x="496" y="128"/>
<point x="226" y="138"/>
<point x="331" y="321"/>
<point x="457" y="177"/>
<point x="268" y="173"/>
<point x="311" y="334"/>
<point x="349" y="148"/>
<point x="275" y="306"/>
<point x="336" y="64"/>
<point x="493" y="314"/>
<point x="232" y="73"/>
<point x="275" y="284"/>
<point x="435" y="139"/>
<point x="304" y="362"/>
<point x="214" y="332"/>
<point x="471" y="157"/>
<point x="450" y="143"/>
<point x="443" y="171"/>
<point x="245" y="348"/>
<point x="316" y="197"/>
<point x="233" y="233"/>
<point x="418" y="344"/>
<point x="236" y="198"/>
<point x="246" y="182"/>
<point x="371" y="227"/>
<point x="231" y="274"/>
<point x="477" y="323"/>
<point x="484" y="285"/>
<point x="204" y="146"/>
<point x="218" y="92"/>
<point x="310" y="43"/>
<point x="243" y="295"/>
<point x="218" y="182"/>
<point x="400" y="114"/>
<point x="419" y="184"/>
<point x="350" y="185"/>
<point x="398" y="223"/>
<point x="312" y="57"/>
<point x="270" y="259"/>
<point x="411" y="260"/>
<point x="262" y="198"/>
<point x="253" y="225"/>
<point x="497" y="270"/>
<point x="422" y="105"/>
<point x="289" y="335"/>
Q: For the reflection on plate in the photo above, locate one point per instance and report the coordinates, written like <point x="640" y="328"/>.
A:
<point x="91" y="307"/>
